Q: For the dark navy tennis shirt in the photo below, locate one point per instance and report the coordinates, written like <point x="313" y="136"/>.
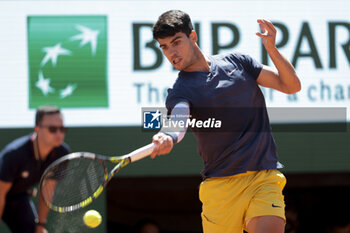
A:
<point x="19" y="165"/>
<point x="229" y="93"/>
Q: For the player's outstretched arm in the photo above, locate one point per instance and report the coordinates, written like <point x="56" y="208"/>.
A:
<point x="284" y="79"/>
<point x="168" y="137"/>
<point x="43" y="211"/>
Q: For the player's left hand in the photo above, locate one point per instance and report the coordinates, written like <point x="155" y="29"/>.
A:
<point x="40" y="229"/>
<point x="164" y="144"/>
<point x="268" y="34"/>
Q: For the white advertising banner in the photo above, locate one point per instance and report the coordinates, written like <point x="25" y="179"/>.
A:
<point x="98" y="62"/>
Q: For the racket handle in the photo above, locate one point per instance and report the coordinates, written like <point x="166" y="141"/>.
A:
<point x="141" y="152"/>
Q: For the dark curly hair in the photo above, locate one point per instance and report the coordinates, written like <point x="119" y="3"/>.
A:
<point x="172" y="22"/>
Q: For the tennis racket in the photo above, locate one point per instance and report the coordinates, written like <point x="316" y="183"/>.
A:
<point x="75" y="180"/>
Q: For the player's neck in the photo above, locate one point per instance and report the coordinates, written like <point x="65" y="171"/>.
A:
<point x="201" y="62"/>
<point x="44" y="149"/>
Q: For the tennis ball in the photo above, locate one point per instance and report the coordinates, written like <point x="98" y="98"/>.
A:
<point x="92" y="218"/>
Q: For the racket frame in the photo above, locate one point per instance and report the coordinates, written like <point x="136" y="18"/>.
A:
<point x="121" y="160"/>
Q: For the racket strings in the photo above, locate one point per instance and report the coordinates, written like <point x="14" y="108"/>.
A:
<point x="72" y="182"/>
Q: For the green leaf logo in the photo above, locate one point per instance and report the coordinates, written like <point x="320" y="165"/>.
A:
<point x="67" y="61"/>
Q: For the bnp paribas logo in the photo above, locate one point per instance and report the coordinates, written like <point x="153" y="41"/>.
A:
<point x="67" y="61"/>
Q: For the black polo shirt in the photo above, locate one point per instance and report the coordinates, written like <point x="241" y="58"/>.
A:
<point x="19" y="165"/>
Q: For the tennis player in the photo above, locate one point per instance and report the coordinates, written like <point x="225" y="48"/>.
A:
<point x="242" y="188"/>
<point x="22" y="162"/>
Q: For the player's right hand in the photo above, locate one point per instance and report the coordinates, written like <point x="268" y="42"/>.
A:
<point x="164" y="144"/>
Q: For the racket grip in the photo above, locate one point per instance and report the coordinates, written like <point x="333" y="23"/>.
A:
<point x="141" y="152"/>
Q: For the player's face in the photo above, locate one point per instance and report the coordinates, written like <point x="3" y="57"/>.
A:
<point x="51" y="130"/>
<point x="179" y="50"/>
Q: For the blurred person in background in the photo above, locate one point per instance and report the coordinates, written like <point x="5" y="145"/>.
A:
<point x="22" y="163"/>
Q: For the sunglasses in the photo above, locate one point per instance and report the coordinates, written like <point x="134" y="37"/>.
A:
<point x="54" y="129"/>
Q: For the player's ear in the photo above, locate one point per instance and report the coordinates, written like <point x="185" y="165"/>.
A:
<point x="193" y="36"/>
<point x="36" y="129"/>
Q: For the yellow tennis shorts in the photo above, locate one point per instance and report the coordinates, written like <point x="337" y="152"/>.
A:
<point x="228" y="202"/>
